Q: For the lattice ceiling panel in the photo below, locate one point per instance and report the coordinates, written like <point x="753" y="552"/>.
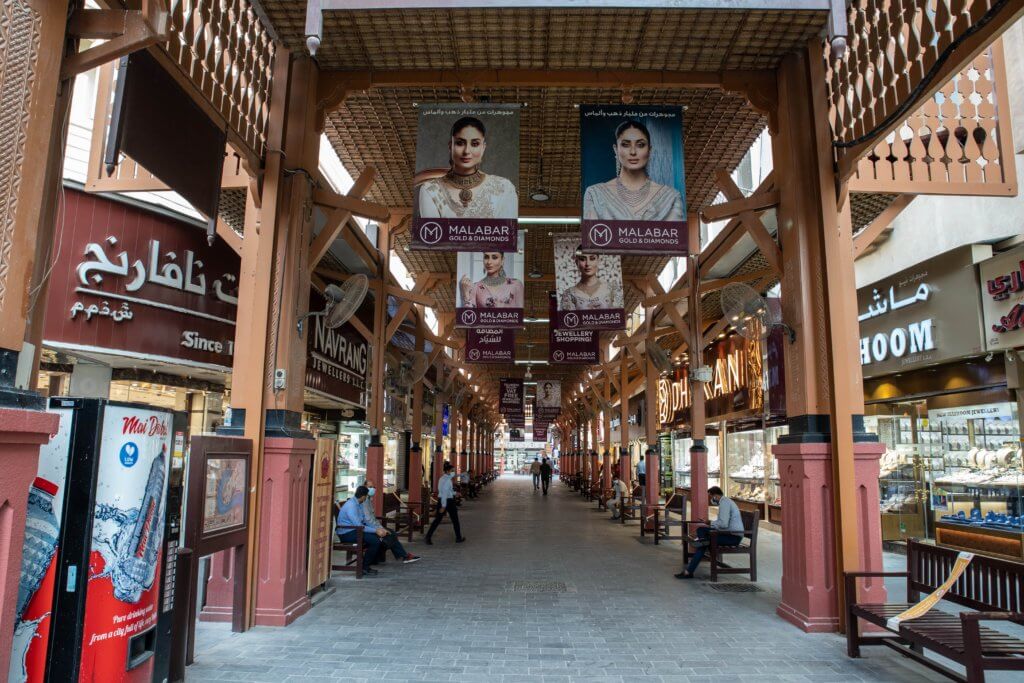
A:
<point x="866" y="207"/>
<point x="549" y="38"/>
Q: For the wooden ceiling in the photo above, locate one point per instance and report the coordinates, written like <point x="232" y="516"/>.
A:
<point x="378" y="126"/>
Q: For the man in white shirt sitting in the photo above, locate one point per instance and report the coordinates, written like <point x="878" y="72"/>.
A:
<point x="618" y="492"/>
<point x="729" y="525"/>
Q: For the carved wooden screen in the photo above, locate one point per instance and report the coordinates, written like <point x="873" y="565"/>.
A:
<point x="958" y="142"/>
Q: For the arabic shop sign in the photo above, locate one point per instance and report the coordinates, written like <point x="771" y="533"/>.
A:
<point x="921" y="316"/>
<point x="1002" y="282"/>
<point x="132" y="283"/>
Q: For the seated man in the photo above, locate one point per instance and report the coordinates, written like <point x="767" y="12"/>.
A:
<point x="618" y="493"/>
<point x="729" y="520"/>
<point x="351" y="515"/>
<point x="389" y="539"/>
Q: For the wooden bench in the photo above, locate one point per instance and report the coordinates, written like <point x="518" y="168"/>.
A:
<point x="993" y="587"/>
<point x="632" y="505"/>
<point x="353" y="551"/>
<point x="715" y="553"/>
<point x="662" y="518"/>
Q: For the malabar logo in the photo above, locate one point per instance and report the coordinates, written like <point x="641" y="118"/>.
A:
<point x="474" y="354"/>
<point x="431" y="233"/>
<point x="571" y="320"/>
<point x="469" y="317"/>
<point x="559" y="356"/>
<point x="600" y="235"/>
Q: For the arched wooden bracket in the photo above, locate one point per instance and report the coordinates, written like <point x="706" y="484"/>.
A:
<point x="760" y="88"/>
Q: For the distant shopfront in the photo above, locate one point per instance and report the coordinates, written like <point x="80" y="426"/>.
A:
<point x="936" y="398"/>
<point x="745" y="415"/>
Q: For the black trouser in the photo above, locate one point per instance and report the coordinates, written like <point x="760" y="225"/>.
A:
<point x="545" y="482"/>
<point x="391" y="542"/>
<point x="452" y="511"/>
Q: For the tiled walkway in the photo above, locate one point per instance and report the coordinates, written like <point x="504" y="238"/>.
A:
<point x="545" y="589"/>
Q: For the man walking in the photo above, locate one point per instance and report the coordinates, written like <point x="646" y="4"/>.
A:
<point x="535" y="471"/>
<point x="446" y="504"/>
<point x="545" y="475"/>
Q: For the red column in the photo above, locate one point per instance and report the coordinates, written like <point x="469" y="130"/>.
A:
<point x="284" y="545"/>
<point x="438" y="465"/>
<point x="809" y="598"/>
<point x="415" y="475"/>
<point x="653" y="477"/>
<point x="22" y="433"/>
<point x="375" y="470"/>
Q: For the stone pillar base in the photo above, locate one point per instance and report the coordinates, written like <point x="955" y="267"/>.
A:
<point x="283" y="554"/>
<point x="810" y="596"/>
<point x="220" y="588"/>
<point x="22" y="433"/>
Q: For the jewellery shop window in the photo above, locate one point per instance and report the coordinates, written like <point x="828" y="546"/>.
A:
<point x="979" y="480"/>
<point x="350" y="470"/>
<point x="753" y="470"/>
<point x="681" y="461"/>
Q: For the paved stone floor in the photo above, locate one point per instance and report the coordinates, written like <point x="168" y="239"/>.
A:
<point x="545" y="589"/>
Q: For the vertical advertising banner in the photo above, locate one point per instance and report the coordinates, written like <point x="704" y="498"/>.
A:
<point x="632" y="177"/>
<point x="548" y="403"/>
<point x="589" y="287"/>
<point x="1002" y="300"/>
<point x="540" y="431"/>
<point x="490" y="345"/>
<point x="466" y="188"/>
<point x="511" y="401"/>
<point x="570" y="347"/>
<point x="489" y="288"/>
<point x="127" y="540"/>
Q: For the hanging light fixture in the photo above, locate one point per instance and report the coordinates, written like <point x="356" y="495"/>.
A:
<point x="540" y="194"/>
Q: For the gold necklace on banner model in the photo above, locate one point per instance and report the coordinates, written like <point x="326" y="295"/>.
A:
<point x="632" y="198"/>
<point x="465" y="184"/>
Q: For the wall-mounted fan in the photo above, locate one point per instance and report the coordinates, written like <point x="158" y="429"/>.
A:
<point x="342" y="302"/>
<point x="658" y="357"/>
<point x="750" y="313"/>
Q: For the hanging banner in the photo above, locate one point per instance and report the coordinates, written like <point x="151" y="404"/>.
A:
<point x="510" y="401"/>
<point x="570" y="347"/>
<point x="548" y="404"/>
<point x="589" y="288"/>
<point x="516" y="420"/>
<point x="632" y="176"/>
<point x="540" y="431"/>
<point x="465" y="191"/>
<point x="489" y="288"/>
<point x="516" y="435"/>
<point x="490" y="345"/>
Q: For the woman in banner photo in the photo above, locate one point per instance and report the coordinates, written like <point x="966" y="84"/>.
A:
<point x="591" y="292"/>
<point x="465" y="191"/>
<point x="631" y="194"/>
<point x="548" y="396"/>
<point x="495" y="289"/>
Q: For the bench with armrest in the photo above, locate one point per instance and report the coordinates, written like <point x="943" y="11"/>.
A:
<point x="397" y="515"/>
<point x="603" y="497"/>
<point x="993" y="587"/>
<point x="632" y="505"/>
<point x="715" y="552"/>
<point x="353" y="551"/>
<point x="671" y="513"/>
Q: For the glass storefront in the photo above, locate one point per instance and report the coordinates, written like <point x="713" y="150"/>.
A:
<point x="350" y="469"/>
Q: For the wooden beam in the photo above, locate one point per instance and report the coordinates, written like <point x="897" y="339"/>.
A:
<point x="139" y="29"/>
<point x="715" y="330"/>
<point x="337" y="219"/>
<point x="752" y="222"/>
<point x="230" y="237"/>
<point x="731" y="234"/>
<point x="358" y="207"/>
<point x="867" y="236"/>
<point x="408" y="295"/>
<point x="730" y="209"/>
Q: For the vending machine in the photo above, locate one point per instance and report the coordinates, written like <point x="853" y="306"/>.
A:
<point x="89" y="603"/>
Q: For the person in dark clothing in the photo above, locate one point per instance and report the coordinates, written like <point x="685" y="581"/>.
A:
<point x="446" y="504"/>
<point x="545" y="475"/>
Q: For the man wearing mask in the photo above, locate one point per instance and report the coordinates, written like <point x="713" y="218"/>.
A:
<point x="618" y="493"/>
<point x="729" y="525"/>
<point x="352" y="516"/>
<point x="390" y="539"/>
<point x="446" y="505"/>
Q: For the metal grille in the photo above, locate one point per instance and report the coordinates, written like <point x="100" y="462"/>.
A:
<point x="735" y="587"/>
<point x="537" y="587"/>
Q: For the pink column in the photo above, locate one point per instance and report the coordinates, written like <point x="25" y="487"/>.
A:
<point x="415" y="475"/>
<point x="375" y="470"/>
<point x="282" y="580"/>
<point x="809" y="598"/>
<point x="220" y="588"/>
<point x="22" y="432"/>
<point x="653" y="481"/>
<point x="699" y="481"/>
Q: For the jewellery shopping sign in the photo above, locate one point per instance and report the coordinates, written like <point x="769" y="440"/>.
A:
<point x="570" y="347"/>
<point x="632" y="180"/>
<point x="467" y="176"/>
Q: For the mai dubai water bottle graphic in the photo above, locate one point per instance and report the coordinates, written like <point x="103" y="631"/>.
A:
<point x="41" y="534"/>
